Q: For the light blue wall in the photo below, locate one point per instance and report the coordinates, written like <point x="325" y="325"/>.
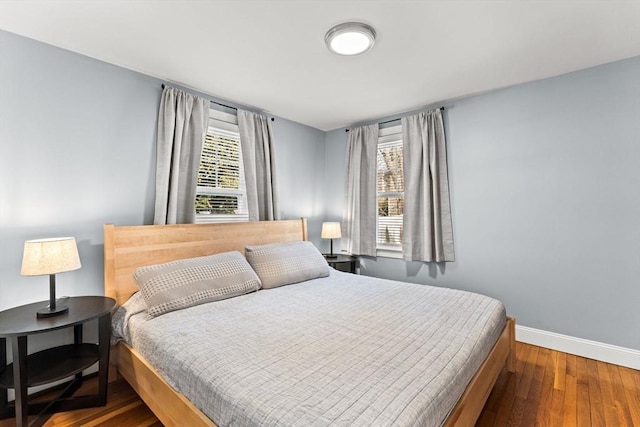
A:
<point x="545" y="193"/>
<point x="300" y="174"/>
<point x="77" y="150"/>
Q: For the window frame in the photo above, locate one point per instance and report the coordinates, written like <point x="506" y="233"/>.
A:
<point x="387" y="136"/>
<point x="226" y="125"/>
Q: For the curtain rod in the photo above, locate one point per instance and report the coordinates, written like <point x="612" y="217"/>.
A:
<point x="393" y="120"/>
<point x="214" y="102"/>
<point x="224" y="105"/>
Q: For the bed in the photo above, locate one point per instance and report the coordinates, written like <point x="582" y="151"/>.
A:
<point x="127" y="248"/>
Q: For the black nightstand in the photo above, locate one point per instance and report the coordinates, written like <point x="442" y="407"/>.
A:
<point x="340" y="261"/>
<point x="56" y="363"/>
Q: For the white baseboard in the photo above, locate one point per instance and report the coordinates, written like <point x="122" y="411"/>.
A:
<point x="591" y="349"/>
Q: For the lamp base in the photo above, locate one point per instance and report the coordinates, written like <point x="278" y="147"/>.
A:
<point x="331" y="256"/>
<point x="48" y="312"/>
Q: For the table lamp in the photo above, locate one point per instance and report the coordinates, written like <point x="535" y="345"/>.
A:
<point x="331" y="230"/>
<point x="50" y="256"/>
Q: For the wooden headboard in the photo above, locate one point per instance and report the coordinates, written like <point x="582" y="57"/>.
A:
<point x="129" y="247"/>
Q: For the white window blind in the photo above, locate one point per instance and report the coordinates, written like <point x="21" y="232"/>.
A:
<point x="221" y="192"/>
<point x="390" y="189"/>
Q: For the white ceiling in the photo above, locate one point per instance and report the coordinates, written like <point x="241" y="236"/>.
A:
<point x="270" y="55"/>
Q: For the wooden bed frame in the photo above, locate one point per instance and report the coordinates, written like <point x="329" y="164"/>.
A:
<point x="126" y="248"/>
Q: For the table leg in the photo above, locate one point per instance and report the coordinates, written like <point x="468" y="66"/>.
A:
<point x="3" y="391"/>
<point x="77" y="334"/>
<point x="104" y="336"/>
<point x="77" y="339"/>
<point x="19" y="351"/>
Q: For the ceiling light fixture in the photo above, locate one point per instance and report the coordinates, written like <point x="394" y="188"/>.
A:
<point x="350" y="38"/>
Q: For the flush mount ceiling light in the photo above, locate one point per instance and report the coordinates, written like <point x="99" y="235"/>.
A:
<point x="350" y="38"/>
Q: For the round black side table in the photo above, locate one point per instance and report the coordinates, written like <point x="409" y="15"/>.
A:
<point x="55" y="363"/>
<point x="339" y="260"/>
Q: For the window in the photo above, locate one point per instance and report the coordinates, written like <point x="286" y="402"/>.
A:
<point x="390" y="189"/>
<point x="221" y="194"/>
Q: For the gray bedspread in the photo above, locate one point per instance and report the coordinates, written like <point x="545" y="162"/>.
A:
<point x="345" y="350"/>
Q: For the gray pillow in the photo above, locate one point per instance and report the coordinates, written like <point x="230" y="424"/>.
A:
<point x="188" y="282"/>
<point x="281" y="264"/>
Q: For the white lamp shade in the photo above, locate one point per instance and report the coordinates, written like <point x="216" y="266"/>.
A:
<point x="331" y="230"/>
<point x="50" y="256"/>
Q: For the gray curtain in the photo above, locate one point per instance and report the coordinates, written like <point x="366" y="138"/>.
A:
<point x="427" y="229"/>
<point x="258" y="158"/>
<point x="359" y="216"/>
<point x="182" y="125"/>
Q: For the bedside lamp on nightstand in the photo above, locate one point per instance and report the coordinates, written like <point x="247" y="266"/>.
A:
<point x="50" y="256"/>
<point x="331" y="230"/>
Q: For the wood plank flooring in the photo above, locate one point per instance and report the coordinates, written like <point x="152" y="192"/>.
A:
<point x="549" y="388"/>
<point x="123" y="409"/>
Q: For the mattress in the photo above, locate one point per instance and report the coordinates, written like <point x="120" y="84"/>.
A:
<point x="341" y="350"/>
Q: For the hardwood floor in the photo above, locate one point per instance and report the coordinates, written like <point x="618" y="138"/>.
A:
<point x="549" y="388"/>
<point x="123" y="409"/>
